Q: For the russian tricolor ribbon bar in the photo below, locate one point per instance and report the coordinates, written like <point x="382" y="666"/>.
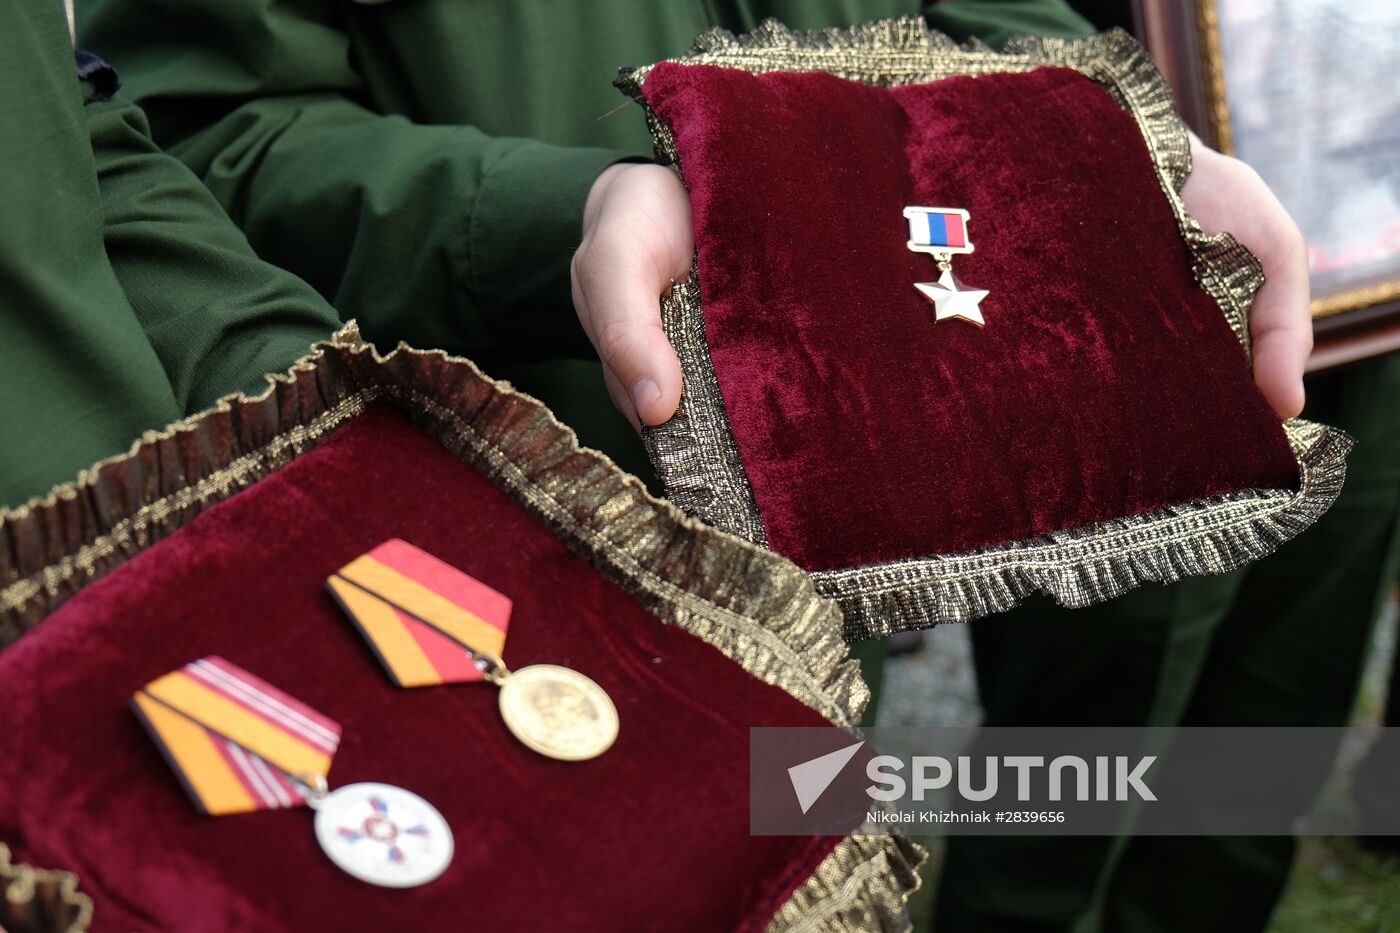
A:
<point x="938" y="230"/>
<point x="237" y="743"/>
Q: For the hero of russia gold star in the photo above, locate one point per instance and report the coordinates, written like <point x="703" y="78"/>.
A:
<point x="942" y="233"/>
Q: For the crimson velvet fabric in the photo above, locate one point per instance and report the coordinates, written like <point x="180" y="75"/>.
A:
<point x="1106" y="382"/>
<point x="652" y="835"/>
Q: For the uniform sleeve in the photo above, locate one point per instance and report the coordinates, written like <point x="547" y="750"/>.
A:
<point x="217" y="316"/>
<point x="995" y="21"/>
<point x="443" y="236"/>
<point x="78" y="380"/>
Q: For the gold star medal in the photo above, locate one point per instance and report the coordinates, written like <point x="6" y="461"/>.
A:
<point x="942" y="233"/>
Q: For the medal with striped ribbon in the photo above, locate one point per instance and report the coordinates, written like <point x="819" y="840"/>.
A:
<point x="429" y="623"/>
<point x="239" y="744"/>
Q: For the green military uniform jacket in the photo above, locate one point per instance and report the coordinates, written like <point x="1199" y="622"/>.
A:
<point x="424" y="163"/>
<point x="127" y="297"/>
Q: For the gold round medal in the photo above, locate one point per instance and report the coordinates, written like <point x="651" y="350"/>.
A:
<point x="558" y="712"/>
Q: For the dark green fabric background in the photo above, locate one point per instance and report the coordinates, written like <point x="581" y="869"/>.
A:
<point x="129" y="299"/>
<point x="424" y="163"/>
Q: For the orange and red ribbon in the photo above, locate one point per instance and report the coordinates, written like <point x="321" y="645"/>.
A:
<point x="425" y="619"/>
<point x="237" y="743"/>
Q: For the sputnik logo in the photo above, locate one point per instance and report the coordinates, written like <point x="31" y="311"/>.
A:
<point x="811" y="778"/>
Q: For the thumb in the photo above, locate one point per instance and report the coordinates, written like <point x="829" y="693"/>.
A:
<point x="617" y="291"/>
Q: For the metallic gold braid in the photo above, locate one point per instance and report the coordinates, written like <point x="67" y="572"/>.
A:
<point x="759" y="609"/>
<point x="864" y="884"/>
<point x="1085" y="565"/>
<point x="36" y="900"/>
<point x="699" y="462"/>
<point x="694" y="452"/>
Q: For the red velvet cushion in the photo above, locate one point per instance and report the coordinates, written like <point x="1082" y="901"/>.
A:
<point x="1105" y="383"/>
<point x="653" y="835"/>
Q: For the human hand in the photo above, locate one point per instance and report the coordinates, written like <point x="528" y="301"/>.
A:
<point x="637" y="240"/>
<point x="1224" y="194"/>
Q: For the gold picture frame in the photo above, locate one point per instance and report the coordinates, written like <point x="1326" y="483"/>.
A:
<point x="1189" y="40"/>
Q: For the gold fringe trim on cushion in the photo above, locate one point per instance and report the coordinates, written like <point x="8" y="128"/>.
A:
<point x="864" y="884"/>
<point x="695" y="454"/>
<point x="35" y="900"/>
<point x="1086" y="565"/>
<point x="759" y="609"/>
<point x="698" y="460"/>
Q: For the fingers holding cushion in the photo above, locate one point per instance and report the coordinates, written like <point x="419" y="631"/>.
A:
<point x="637" y="240"/>
<point x="1224" y="194"/>
<point x="1281" y="320"/>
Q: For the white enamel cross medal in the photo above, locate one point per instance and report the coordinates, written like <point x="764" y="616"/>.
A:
<point x="942" y="232"/>
<point x="381" y="834"/>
